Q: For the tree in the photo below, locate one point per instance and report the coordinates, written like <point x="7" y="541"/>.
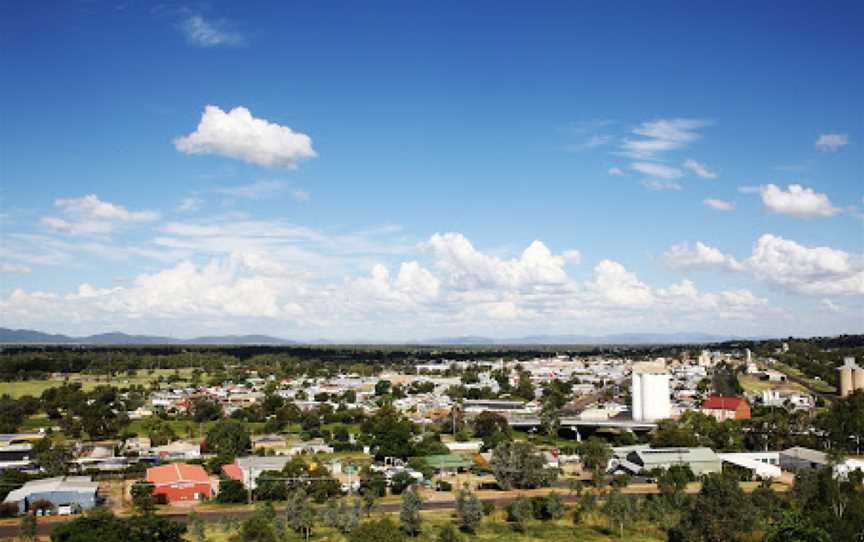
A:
<point x="448" y="534"/>
<point x="492" y="428"/>
<point x="525" y="388"/>
<point x="228" y="438"/>
<point x="389" y="433"/>
<point x="204" y="410"/>
<point x="469" y="510"/>
<point x="519" y="512"/>
<point x="300" y="514"/>
<point x="55" y="459"/>
<point x="257" y="528"/>
<point x="619" y="508"/>
<point x="100" y="524"/>
<point x="232" y="491"/>
<point x="142" y="497"/>
<point x="720" y="513"/>
<point x="196" y="527"/>
<point x="380" y="530"/>
<point x="794" y="528"/>
<point x="673" y="481"/>
<point x="409" y="512"/>
<point x="400" y="482"/>
<point x="28" y="527"/>
<point x="595" y="454"/>
<point x="553" y="506"/>
<point x="517" y="464"/>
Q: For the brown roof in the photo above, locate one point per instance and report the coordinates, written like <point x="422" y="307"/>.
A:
<point x="177" y="472"/>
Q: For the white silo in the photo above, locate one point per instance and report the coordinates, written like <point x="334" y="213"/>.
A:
<point x="847" y="376"/>
<point x="636" y="396"/>
<point x="650" y="392"/>
<point x="656" y="404"/>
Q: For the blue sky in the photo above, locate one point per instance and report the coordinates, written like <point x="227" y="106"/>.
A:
<point x="389" y="164"/>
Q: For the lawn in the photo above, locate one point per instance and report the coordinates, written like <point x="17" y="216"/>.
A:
<point x="88" y="382"/>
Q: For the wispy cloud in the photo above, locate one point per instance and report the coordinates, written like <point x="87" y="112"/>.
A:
<point x="616" y="171"/>
<point x="189" y="205"/>
<point x="831" y="142"/>
<point x="699" y="169"/>
<point x="661" y="136"/>
<point x="719" y="204"/>
<point x="203" y="33"/>
<point x="657" y="170"/>
<point x="256" y="190"/>
<point x="660" y="185"/>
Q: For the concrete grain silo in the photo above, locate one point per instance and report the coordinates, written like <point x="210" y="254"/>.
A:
<point x="851" y="377"/>
<point x="650" y="392"/>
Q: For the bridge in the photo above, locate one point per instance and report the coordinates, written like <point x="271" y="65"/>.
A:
<point x="574" y="423"/>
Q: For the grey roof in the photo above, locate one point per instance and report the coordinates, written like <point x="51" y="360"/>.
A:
<point x="806" y="454"/>
<point x="66" y="484"/>
<point x="661" y="456"/>
<point x="259" y="463"/>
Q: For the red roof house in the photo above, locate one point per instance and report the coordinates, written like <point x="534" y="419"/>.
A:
<point x="180" y="482"/>
<point x="726" y="408"/>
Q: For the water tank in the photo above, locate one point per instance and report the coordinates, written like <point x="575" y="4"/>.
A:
<point x="636" y="397"/>
<point x="846" y="383"/>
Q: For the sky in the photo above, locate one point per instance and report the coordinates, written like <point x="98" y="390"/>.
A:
<point x="396" y="171"/>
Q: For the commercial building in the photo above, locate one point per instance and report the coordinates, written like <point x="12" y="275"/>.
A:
<point x="650" y="397"/>
<point x="67" y="494"/>
<point x="247" y="469"/>
<point x="180" y="482"/>
<point x="726" y="408"/>
<point x="635" y="459"/>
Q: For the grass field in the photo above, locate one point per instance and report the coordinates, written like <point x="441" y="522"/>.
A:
<point x="88" y="382"/>
<point x="494" y="529"/>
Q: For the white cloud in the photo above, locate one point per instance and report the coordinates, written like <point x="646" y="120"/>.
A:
<point x="89" y="215"/>
<point x="301" y="195"/>
<point x="204" y="33"/>
<point x="719" y="204"/>
<point x="6" y="267"/>
<point x="592" y="142"/>
<point x="661" y="136"/>
<point x="830" y="306"/>
<point x="701" y="257"/>
<point x="797" y="201"/>
<point x="699" y="169"/>
<point x="806" y="270"/>
<point x="237" y="134"/>
<point x="572" y="256"/>
<point x="190" y="205"/>
<point x="657" y="170"/>
<point x="256" y="190"/>
<point x="467" y="268"/>
<point x="659" y="185"/>
<point x="616" y="171"/>
<point x="794" y="267"/>
<point x="619" y="286"/>
<point x="831" y="142"/>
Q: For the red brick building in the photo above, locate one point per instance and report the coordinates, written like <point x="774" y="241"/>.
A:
<point x="180" y="482"/>
<point x="726" y="408"/>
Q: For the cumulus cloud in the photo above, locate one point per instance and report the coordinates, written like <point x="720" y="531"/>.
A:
<point x="237" y="134"/>
<point x="619" y="286"/>
<point x="89" y="215"/>
<point x="467" y="267"/>
<point x="797" y="201"/>
<point x="781" y="262"/>
<point x="661" y="136"/>
<point x="660" y="185"/>
<point x="681" y="257"/>
<point x="831" y="142"/>
<point x="699" y="169"/>
<point x="806" y="270"/>
<point x="657" y="170"/>
<point x="719" y="204"/>
<point x="203" y="33"/>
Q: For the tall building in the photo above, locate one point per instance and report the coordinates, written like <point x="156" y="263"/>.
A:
<point x="650" y="392"/>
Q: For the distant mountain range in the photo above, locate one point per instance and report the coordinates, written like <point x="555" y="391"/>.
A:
<point x="28" y="336"/>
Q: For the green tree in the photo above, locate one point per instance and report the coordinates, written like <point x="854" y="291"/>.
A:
<point x="380" y="530"/>
<point x="672" y="481"/>
<point x="142" y="497"/>
<point x="720" y="513"/>
<point x="228" y="438"/>
<point x="196" y="527"/>
<point x="101" y="525"/>
<point x="448" y="533"/>
<point x="299" y="513"/>
<point x="232" y="491"/>
<point x="28" y="527"/>
<point x="492" y="428"/>
<point x="469" y="511"/>
<point x="517" y="464"/>
<point x="409" y="512"/>
<point x="794" y="528"/>
<point x="619" y="509"/>
<point x="595" y="454"/>
<point x="519" y="512"/>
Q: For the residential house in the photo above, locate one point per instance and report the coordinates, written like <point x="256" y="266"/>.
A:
<point x="180" y="482"/>
<point x="726" y="408"/>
